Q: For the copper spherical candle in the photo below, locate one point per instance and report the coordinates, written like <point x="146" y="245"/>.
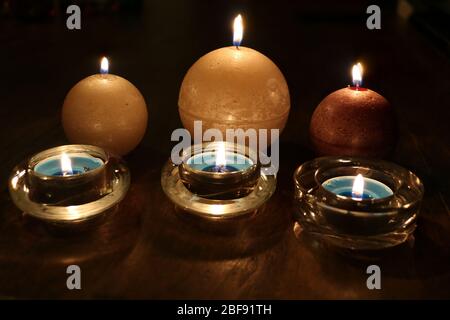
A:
<point x="105" y="110"/>
<point x="234" y="88"/>
<point x="354" y="121"/>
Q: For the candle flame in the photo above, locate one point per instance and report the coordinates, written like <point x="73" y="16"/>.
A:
<point x="104" y="66"/>
<point x="357" y="72"/>
<point x="66" y="165"/>
<point x="238" y="31"/>
<point x="358" y="187"/>
<point x="220" y="156"/>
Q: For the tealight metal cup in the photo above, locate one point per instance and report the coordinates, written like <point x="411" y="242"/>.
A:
<point x="73" y="189"/>
<point x="220" y="185"/>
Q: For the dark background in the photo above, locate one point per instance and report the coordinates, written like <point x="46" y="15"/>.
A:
<point x="146" y="249"/>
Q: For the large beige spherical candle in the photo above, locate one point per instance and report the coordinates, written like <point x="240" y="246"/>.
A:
<point x="234" y="87"/>
<point x="105" y="110"/>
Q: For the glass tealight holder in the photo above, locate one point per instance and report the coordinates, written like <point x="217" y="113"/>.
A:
<point x="93" y="182"/>
<point x="203" y="186"/>
<point x="383" y="215"/>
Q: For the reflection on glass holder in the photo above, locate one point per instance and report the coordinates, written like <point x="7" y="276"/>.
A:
<point x="212" y="190"/>
<point x="360" y="224"/>
<point x="93" y="182"/>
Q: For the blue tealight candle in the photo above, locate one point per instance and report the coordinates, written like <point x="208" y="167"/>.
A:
<point x="219" y="171"/>
<point x="230" y="162"/>
<point x="68" y="165"/>
<point x="357" y="188"/>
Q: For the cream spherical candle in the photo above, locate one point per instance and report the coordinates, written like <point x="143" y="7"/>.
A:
<point x="234" y="88"/>
<point x="105" y="110"/>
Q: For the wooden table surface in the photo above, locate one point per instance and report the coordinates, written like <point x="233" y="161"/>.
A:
<point x="146" y="249"/>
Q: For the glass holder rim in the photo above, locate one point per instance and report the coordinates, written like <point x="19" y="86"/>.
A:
<point x="18" y="185"/>
<point x="214" y="209"/>
<point x="360" y="225"/>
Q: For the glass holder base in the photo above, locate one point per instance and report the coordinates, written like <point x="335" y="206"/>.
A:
<point x="190" y="202"/>
<point x="354" y="224"/>
<point x="83" y="199"/>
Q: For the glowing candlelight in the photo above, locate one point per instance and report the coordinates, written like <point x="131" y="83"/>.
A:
<point x="357" y="72"/>
<point x="238" y="31"/>
<point x="221" y="160"/>
<point x="358" y="187"/>
<point x="66" y="165"/>
<point x="104" y="66"/>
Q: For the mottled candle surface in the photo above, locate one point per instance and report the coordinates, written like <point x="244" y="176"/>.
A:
<point x="105" y="110"/>
<point x="234" y="87"/>
<point x="354" y="122"/>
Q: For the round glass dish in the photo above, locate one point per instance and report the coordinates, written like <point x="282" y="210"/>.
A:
<point x="217" y="194"/>
<point x="65" y="198"/>
<point x="361" y="224"/>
